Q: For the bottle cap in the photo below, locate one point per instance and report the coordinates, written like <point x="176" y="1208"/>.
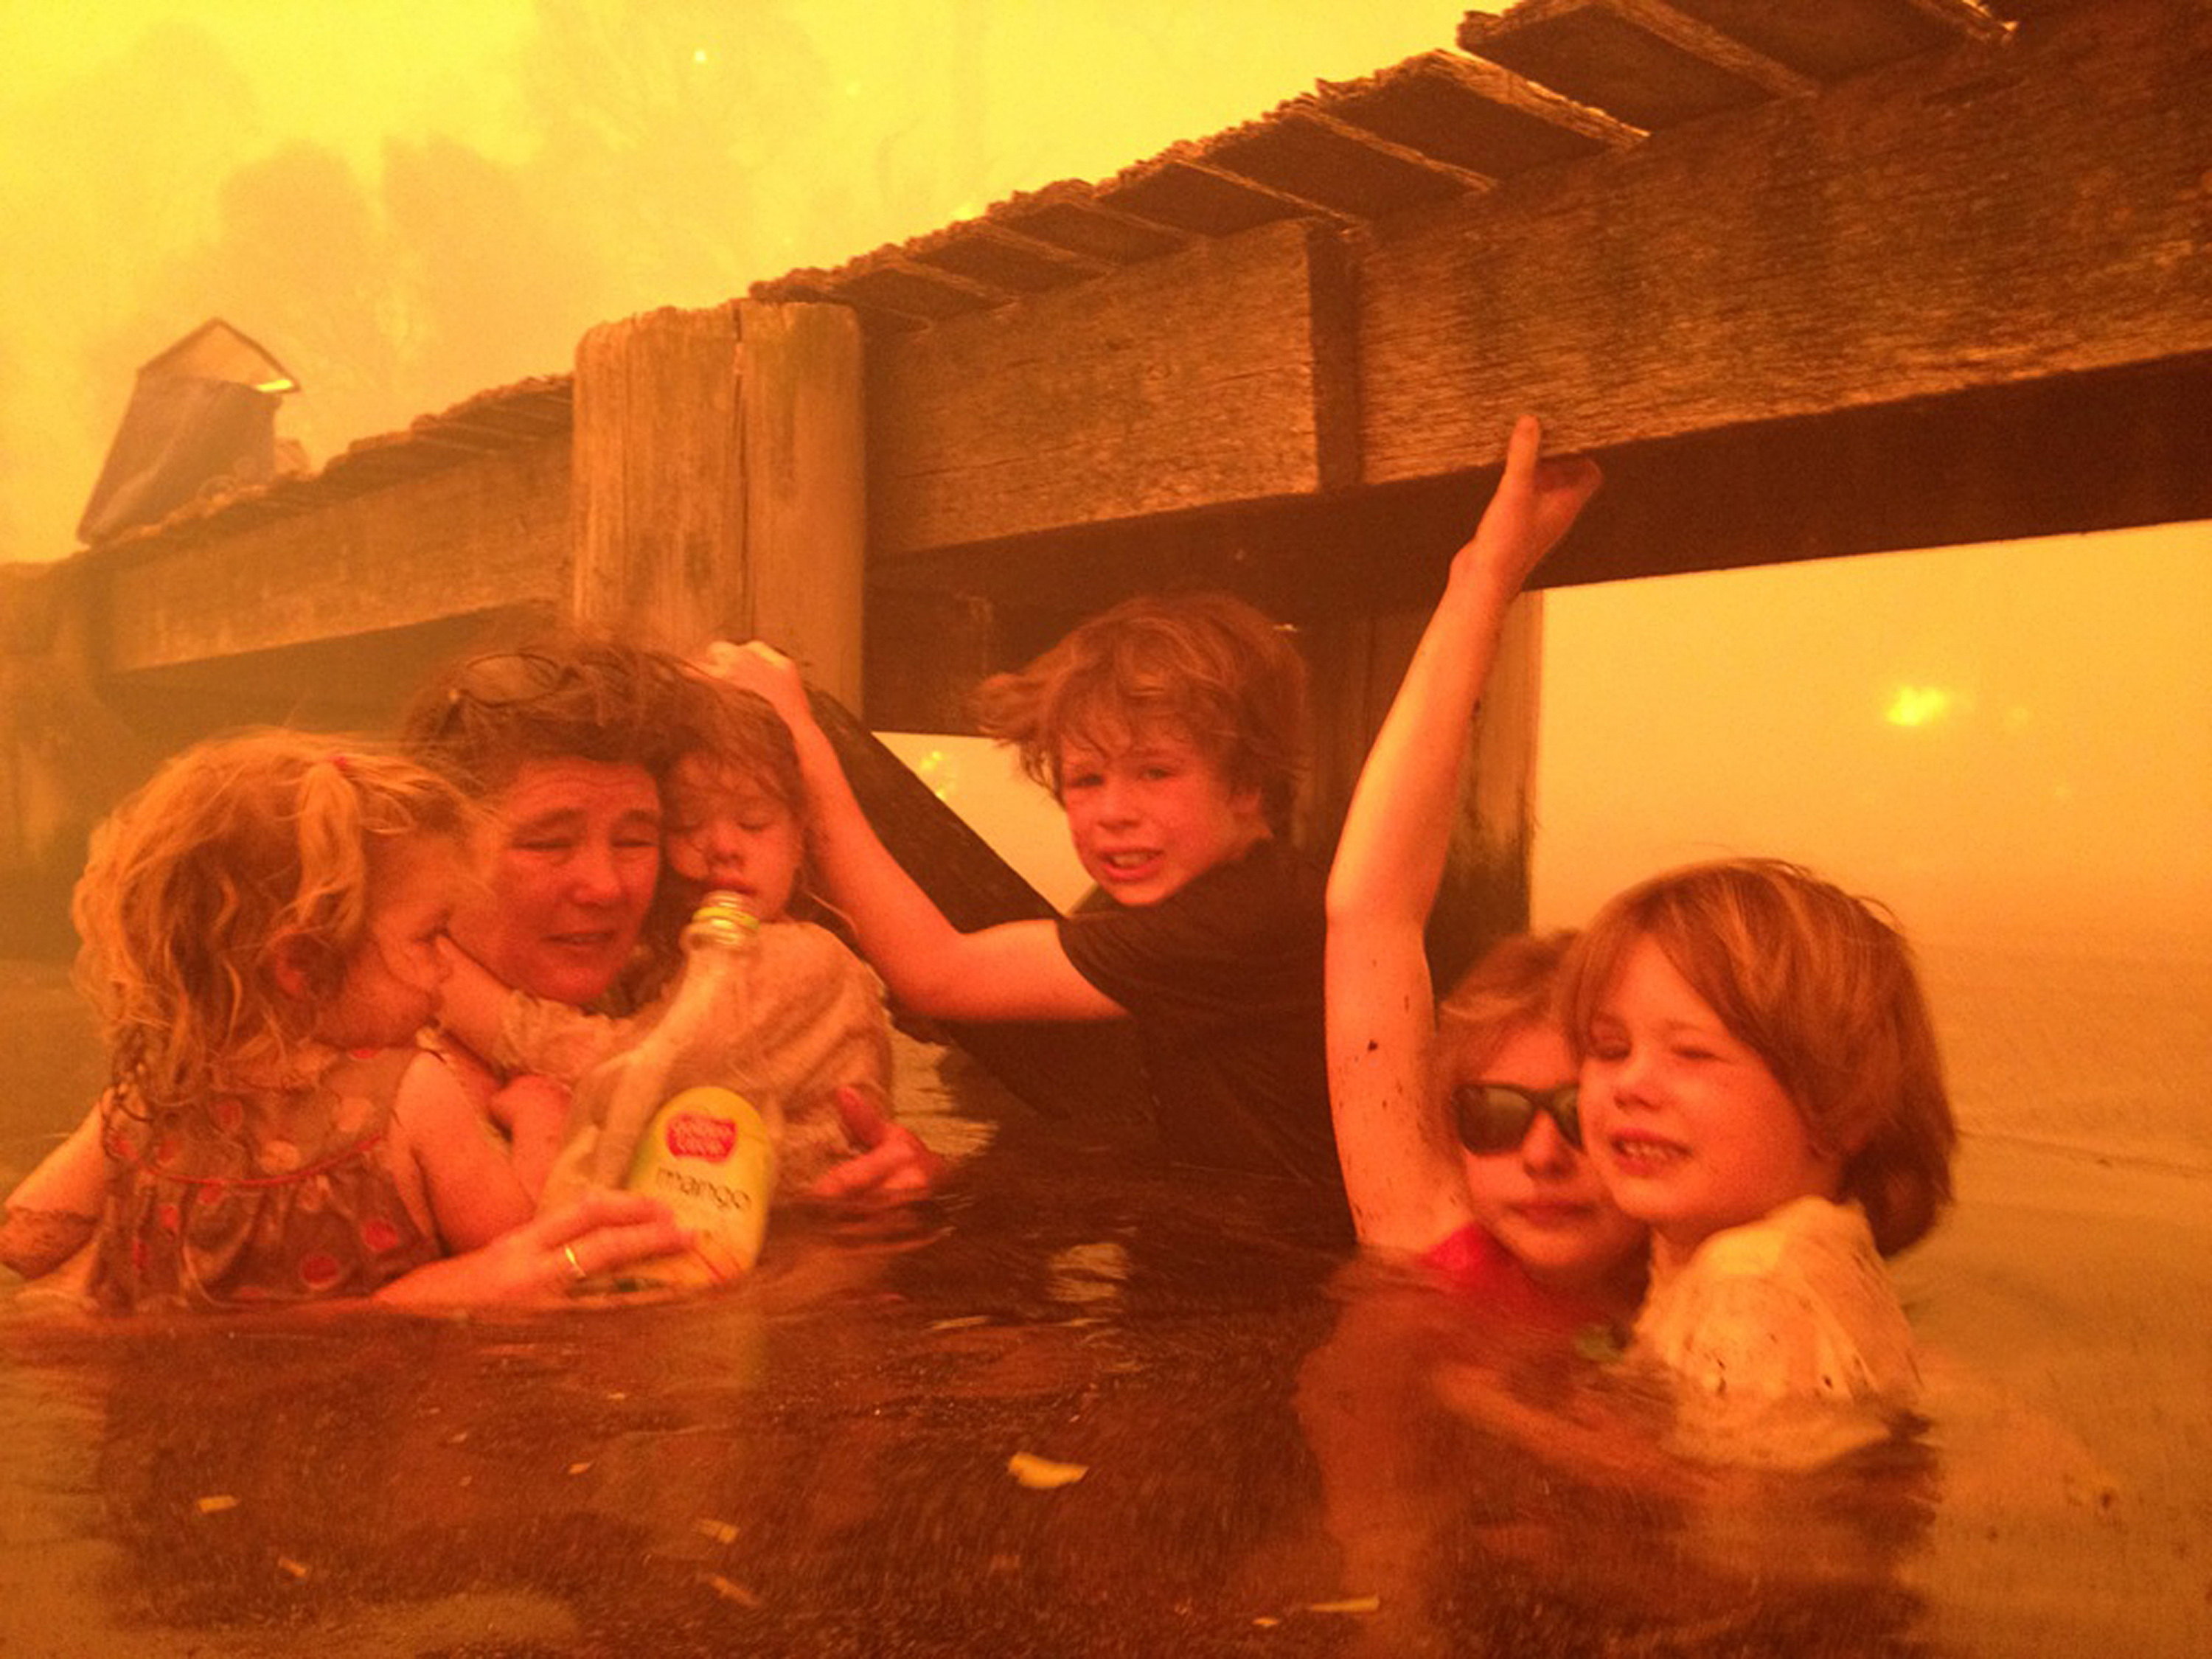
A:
<point x="723" y="913"/>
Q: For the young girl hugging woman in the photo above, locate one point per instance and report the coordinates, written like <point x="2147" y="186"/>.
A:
<point x="1760" y="1085"/>
<point x="260" y="927"/>
<point x="805" y="1012"/>
<point x="1456" y="1125"/>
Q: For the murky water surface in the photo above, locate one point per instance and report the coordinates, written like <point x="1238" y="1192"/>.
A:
<point x="1074" y="1408"/>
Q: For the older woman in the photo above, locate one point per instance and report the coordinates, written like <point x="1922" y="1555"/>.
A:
<point x="568" y="741"/>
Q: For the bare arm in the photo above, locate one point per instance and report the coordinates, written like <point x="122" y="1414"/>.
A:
<point x="1016" y="970"/>
<point x="1402" y="1168"/>
<point x="55" y="1208"/>
<point x="474" y="1190"/>
<point x="534" y="1112"/>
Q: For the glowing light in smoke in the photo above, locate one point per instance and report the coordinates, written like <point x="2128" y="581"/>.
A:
<point x="1918" y="705"/>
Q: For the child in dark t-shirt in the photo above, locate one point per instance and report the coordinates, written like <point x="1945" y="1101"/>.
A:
<point x="1172" y="730"/>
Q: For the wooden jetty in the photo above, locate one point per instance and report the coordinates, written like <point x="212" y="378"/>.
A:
<point x="1811" y="280"/>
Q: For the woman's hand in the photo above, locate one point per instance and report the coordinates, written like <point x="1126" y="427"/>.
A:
<point x="546" y="1259"/>
<point x="894" y="1163"/>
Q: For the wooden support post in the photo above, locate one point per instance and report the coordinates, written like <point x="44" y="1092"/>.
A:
<point x="1485" y="893"/>
<point x="1486" y="882"/>
<point x="659" y="503"/>
<point x="801" y="426"/>
<point x="718" y="482"/>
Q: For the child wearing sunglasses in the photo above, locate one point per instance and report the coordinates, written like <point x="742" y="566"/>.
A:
<point x="1456" y="1125"/>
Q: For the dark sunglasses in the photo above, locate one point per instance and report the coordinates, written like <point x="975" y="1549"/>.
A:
<point x="498" y="681"/>
<point x="507" y="679"/>
<point x="1494" y="1117"/>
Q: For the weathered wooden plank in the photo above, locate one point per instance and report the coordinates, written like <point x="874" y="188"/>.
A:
<point x="800" y="424"/>
<point x="1069" y="215"/>
<point x="1618" y="56"/>
<point x="719" y="480"/>
<point x="1182" y="189"/>
<point x="1472" y="115"/>
<point x="1308" y="155"/>
<point x="1193" y="379"/>
<point x="1005" y="259"/>
<point x="1971" y="219"/>
<point x="466" y="538"/>
<point x="1839" y="38"/>
<point x="2107" y="450"/>
<point x="658" y="494"/>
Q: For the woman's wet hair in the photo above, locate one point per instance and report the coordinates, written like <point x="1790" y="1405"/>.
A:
<point x="240" y="849"/>
<point x="1820" y="985"/>
<point x="1206" y="663"/>
<point x="558" y="695"/>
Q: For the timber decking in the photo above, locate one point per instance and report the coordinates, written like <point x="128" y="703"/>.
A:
<point x="1548" y="82"/>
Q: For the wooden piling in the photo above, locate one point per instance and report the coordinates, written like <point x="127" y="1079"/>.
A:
<point x="718" y="483"/>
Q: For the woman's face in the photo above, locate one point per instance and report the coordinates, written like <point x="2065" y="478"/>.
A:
<point x="1689" y="1130"/>
<point x="726" y="829"/>
<point x="1542" y="1201"/>
<point x="575" y="849"/>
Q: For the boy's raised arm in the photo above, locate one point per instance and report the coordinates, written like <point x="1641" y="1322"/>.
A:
<point x="1400" y="1164"/>
<point x="1016" y="970"/>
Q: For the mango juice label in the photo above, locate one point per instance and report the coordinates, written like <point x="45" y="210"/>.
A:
<point x="706" y="1155"/>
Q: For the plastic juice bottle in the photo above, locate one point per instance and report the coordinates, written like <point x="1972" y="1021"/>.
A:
<point x="678" y="1102"/>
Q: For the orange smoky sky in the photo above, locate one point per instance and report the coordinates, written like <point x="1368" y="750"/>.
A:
<point x="409" y="201"/>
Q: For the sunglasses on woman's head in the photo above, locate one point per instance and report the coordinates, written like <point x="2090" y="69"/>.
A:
<point x="1495" y="1117"/>
<point x="506" y="680"/>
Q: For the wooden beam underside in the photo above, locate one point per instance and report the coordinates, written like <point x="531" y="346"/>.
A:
<point x="1935" y="239"/>
<point x="2105" y="451"/>
<point x="474" y="538"/>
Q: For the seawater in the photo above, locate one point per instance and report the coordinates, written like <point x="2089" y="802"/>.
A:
<point x="1077" y="1405"/>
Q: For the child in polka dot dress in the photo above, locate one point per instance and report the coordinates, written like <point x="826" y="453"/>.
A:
<point x="260" y="928"/>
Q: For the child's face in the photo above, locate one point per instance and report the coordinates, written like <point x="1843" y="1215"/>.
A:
<point x="1153" y="811"/>
<point x="725" y="830"/>
<point x="390" y="990"/>
<point x="1688" y="1128"/>
<point x="1542" y="1201"/>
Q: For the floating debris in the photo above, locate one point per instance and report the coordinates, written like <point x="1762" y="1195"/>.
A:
<point x="215" y="1504"/>
<point x="720" y="1531"/>
<point x="1042" y="1474"/>
<point x="730" y="1590"/>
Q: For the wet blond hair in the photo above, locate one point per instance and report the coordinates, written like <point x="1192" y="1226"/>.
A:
<point x="1207" y="663"/>
<point x="235" y="847"/>
<point x="1820" y="985"/>
<point x="1513" y="986"/>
